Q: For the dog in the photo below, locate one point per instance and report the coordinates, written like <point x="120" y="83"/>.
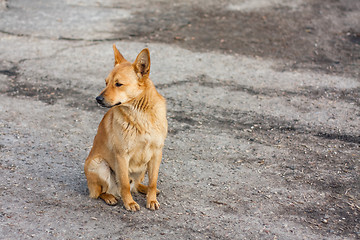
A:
<point x="130" y="137"/>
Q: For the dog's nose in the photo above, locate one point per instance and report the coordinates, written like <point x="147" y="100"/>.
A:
<point x="100" y="99"/>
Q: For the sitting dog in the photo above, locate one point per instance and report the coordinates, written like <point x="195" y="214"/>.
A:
<point x="130" y="137"/>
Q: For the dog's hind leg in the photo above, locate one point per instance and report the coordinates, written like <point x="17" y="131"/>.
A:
<point x="141" y="188"/>
<point x="101" y="182"/>
<point x="138" y="178"/>
<point x="94" y="187"/>
<point x="144" y="189"/>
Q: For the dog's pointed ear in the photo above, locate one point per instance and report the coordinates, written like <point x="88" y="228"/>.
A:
<point x="118" y="57"/>
<point x="142" y="63"/>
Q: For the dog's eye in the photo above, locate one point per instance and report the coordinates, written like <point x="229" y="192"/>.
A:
<point x="118" y="84"/>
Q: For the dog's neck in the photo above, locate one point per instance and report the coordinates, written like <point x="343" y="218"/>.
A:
<point x="145" y="101"/>
<point x="143" y="108"/>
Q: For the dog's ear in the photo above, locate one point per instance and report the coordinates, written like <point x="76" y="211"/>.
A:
<point x="142" y="63"/>
<point x="118" y="57"/>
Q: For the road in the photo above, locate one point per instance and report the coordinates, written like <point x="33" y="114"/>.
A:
<point x="263" y="107"/>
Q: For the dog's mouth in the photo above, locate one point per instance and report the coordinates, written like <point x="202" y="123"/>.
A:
<point x="109" y="106"/>
<point x="116" y="104"/>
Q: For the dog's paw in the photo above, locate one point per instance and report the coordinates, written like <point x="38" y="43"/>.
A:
<point x="153" y="205"/>
<point x="132" y="206"/>
<point x="109" y="199"/>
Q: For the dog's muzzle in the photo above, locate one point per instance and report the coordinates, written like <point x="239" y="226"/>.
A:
<point x="100" y="100"/>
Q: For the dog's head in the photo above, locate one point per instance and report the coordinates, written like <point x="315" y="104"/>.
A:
<point x="126" y="81"/>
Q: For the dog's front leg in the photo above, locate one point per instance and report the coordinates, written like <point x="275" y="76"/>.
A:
<point x="122" y="173"/>
<point x="153" y="171"/>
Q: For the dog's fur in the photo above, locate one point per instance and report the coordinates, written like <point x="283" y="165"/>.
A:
<point x="130" y="137"/>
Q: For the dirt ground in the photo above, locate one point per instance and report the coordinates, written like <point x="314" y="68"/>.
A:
<point x="263" y="108"/>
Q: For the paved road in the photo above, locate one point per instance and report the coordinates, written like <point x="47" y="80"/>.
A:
<point x="263" y="110"/>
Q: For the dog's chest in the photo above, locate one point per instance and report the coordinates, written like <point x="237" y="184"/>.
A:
<point x="139" y="140"/>
<point x="140" y="145"/>
<point x="141" y="150"/>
